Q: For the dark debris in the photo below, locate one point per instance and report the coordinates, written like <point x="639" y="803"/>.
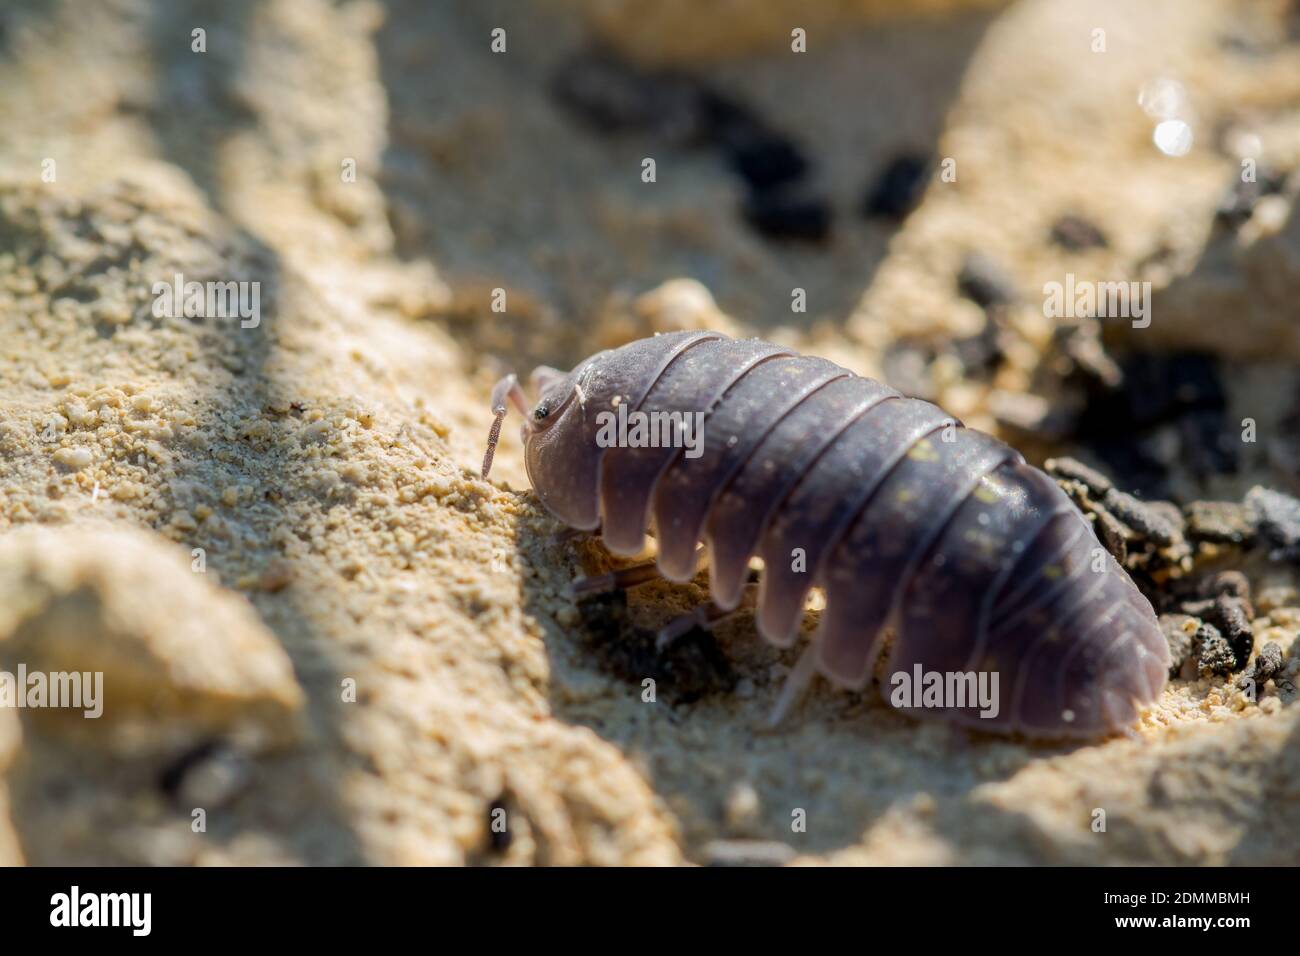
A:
<point x="1232" y="584"/>
<point x="693" y="667"/>
<point x="1219" y="607"/>
<point x="1277" y="518"/>
<point x="1145" y="537"/>
<point x="788" y="214"/>
<point x="1219" y="522"/>
<point x="1268" y="662"/>
<point x="981" y="354"/>
<point x="1159" y="545"/>
<point x="1076" y="234"/>
<point x="1152" y="520"/>
<point x="1180" y="631"/>
<point x="1122" y="419"/>
<point x="613" y="96"/>
<point x="761" y="156"/>
<point x="898" y="189"/>
<point x="1230" y="616"/>
<point x="1238" y="205"/>
<point x="1094" y="481"/>
<point x="1161" y="388"/>
<point x="1215" y="654"/>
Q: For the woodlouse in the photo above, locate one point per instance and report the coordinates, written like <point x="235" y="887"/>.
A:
<point x="913" y="525"/>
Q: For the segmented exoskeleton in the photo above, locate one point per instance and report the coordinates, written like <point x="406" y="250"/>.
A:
<point x="915" y="526"/>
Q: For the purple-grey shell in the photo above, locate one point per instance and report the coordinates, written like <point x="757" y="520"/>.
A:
<point x="912" y="524"/>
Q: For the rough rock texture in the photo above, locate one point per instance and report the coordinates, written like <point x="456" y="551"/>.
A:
<point x="88" y="600"/>
<point x="325" y="459"/>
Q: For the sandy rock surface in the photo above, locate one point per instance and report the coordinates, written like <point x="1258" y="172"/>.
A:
<point x="377" y="655"/>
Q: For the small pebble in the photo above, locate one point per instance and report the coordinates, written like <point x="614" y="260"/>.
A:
<point x="1096" y="483"/>
<point x="1231" y="617"/>
<point x="1220" y="522"/>
<point x="1215" y="654"/>
<point x="1147" y="518"/>
<point x="1268" y="662"/>
<point x="743" y="807"/>
<point x="1232" y="620"/>
<point x="73" y="458"/>
<point x="1112" y="535"/>
<point x="1180" y="631"/>
<point x="1277" y="518"/>
<point x="1232" y="583"/>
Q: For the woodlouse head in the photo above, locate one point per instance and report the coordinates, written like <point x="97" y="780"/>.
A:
<point x="560" y="458"/>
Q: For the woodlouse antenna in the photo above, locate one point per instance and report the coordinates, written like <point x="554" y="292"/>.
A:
<point x="506" y="392"/>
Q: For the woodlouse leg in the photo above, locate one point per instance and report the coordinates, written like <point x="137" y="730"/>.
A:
<point x="621" y="579"/>
<point x="795" y="684"/>
<point x="507" y="389"/>
<point x="708" y="616"/>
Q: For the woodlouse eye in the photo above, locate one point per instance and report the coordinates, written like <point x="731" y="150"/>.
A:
<point x="541" y="411"/>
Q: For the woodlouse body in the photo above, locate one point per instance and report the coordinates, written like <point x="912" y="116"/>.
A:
<point x="913" y="525"/>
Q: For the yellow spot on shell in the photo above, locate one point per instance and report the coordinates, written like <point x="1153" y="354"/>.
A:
<point x="923" y="451"/>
